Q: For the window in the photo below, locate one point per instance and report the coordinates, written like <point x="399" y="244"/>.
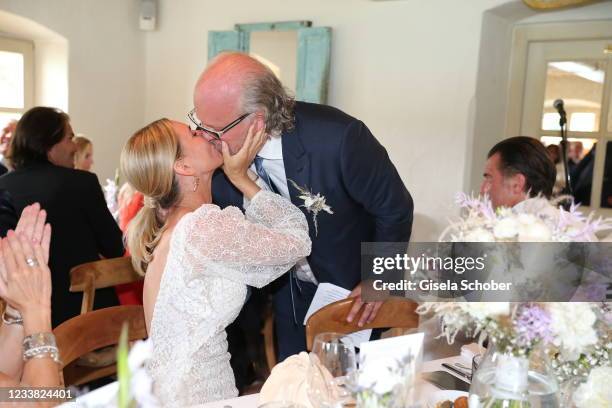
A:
<point x="580" y="73"/>
<point x="16" y="78"/>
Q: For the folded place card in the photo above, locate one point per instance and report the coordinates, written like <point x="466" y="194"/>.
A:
<point x="384" y="363"/>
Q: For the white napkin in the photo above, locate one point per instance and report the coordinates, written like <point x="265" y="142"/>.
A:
<point x="288" y="381"/>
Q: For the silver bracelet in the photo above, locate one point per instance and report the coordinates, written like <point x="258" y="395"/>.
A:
<point x="40" y="345"/>
<point x="42" y="352"/>
<point x="9" y="319"/>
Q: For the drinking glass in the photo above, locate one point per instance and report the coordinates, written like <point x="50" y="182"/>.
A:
<point x="332" y="361"/>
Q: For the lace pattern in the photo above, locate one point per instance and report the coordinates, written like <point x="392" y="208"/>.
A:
<point x="214" y="254"/>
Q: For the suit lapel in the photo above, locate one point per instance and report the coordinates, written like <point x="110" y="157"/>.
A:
<point x="297" y="165"/>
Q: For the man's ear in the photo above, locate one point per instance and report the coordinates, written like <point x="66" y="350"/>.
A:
<point x="182" y="168"/>
<point x="519" y="183"/>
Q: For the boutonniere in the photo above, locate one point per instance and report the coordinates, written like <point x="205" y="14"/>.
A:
<point x="314" y="203"/>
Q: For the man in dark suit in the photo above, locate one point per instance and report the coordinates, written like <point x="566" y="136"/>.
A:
<point x="316" y="148"/>
<point x="82" y="227"/>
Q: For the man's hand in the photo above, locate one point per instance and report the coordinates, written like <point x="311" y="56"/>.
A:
<point x="370" y="309"/>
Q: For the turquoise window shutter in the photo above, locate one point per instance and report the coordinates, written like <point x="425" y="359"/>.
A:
<point x="219" y="41"/>
<point x="314" y="54"/>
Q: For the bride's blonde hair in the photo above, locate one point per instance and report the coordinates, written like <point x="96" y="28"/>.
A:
<point x="147" y="163"/>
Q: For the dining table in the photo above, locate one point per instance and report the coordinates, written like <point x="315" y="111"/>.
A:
<point x="424" y="389"/>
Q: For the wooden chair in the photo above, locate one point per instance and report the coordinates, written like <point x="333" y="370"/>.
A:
<point x="90" y="276"/>
<point x="395" y="313"/>
<point x="91" y="331"/>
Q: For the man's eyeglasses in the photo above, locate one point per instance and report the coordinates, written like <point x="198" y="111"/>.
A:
<point x="212" y="132"/>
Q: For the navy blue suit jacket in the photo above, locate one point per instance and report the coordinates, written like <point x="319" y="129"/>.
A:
<point x="332" y="153"/>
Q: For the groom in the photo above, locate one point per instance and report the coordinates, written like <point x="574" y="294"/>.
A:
<point x="316" y="148"/>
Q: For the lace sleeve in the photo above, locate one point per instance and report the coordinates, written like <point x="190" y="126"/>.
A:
<point x="254" y="248"/>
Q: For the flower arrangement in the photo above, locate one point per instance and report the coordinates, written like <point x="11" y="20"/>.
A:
<point x="539" y="220"/>
<point x="576" y="335"/>
<point x="570" y="331"/>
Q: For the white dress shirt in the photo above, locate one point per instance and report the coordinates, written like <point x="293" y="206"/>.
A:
<point x="272" y="155"/>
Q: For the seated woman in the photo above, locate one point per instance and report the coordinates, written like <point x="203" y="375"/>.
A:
<point x="198" y="258"/>
<point x="42" y="154"/>
<point x="25" y="284"/>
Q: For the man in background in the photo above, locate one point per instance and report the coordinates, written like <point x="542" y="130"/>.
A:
<point x="517" y="170"/>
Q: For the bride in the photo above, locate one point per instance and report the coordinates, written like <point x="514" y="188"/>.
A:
<point x="198" y="258"/>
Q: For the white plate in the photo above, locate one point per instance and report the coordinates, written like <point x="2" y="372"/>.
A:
<point x="441" y="396"/>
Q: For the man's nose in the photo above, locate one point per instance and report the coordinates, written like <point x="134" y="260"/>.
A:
<point x="484" y="188"/>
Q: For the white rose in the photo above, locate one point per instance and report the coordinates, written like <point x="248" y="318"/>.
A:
<point x="526" y="219"/>
<point x="482" y="310"/>
<point x="536" y="231"/>
<point x="573" y="327"/>
<point x="479" y="235"/>
<point x="596" y="392"/>
<point x="506" y="228"/>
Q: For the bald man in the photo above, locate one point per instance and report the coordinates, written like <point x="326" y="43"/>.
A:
<point x="311" y="147"/>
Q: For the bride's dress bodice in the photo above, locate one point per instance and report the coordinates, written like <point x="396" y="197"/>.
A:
<point x="214" y="254"/>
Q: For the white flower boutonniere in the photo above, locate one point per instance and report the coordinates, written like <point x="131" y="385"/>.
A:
<point x="314" y="203"/>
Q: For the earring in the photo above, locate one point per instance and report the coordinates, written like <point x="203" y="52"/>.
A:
<point x="196" y="183"/>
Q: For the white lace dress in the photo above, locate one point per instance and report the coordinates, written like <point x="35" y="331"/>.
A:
<point x="214" y="254"/>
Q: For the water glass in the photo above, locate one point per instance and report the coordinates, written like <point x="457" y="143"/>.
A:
<point x="332" y="361"/>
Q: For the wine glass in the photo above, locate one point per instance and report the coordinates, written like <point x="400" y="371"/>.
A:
<point x="332" y="361"/>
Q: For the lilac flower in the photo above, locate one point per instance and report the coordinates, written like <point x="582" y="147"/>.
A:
<point x="474" y="203"/>
<point x="533" y="325"/>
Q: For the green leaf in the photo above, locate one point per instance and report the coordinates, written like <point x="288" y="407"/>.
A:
<point x="123" y="370"/>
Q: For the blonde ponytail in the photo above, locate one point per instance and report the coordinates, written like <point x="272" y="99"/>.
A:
<point x="147" y="163"/>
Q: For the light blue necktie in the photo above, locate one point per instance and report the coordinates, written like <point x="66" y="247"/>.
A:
<point x="261" y="172"/>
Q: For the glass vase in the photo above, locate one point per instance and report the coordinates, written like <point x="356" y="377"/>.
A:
<point x="505" y="380"/>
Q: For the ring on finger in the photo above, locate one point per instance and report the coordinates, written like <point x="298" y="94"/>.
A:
<point x="32" y="263"/>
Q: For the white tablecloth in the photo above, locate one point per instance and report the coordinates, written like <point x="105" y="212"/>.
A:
<point x="108" y="392"/>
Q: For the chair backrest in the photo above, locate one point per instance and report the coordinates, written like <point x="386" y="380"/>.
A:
<point x="100" y="328"/>
<point x="90" y="276"/>
<point x="394" y="313"/>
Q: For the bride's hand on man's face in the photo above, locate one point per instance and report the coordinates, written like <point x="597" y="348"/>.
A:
<point x="236" y="166"/>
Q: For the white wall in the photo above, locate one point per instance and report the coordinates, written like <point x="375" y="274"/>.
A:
<point x="105" y="68"/>
<point x="406" y="68"/>
<point x="409" y="69"/>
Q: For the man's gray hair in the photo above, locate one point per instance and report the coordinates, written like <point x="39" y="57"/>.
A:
<point x="264" y="91"/>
